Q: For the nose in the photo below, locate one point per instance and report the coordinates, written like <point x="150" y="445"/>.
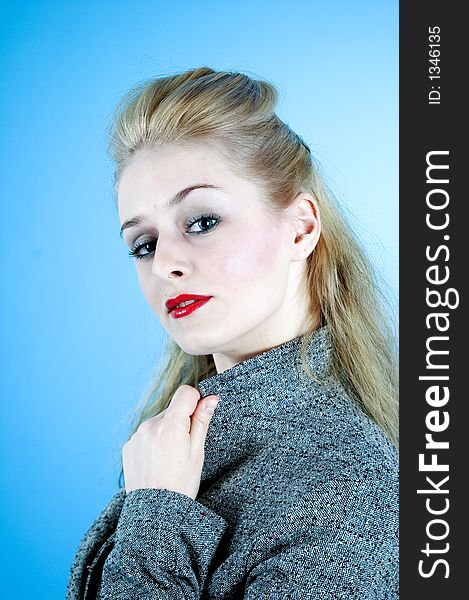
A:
<point x="169" y="260"/>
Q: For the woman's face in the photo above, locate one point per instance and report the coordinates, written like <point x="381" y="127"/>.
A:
<point x="217" y="239"/>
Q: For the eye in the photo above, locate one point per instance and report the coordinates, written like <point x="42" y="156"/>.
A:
<point x="148" y="248"/>
<point x="205" y="222"/>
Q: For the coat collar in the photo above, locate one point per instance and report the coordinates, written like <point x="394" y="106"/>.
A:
<point x="255" y="382"/>
<point x="262" y="399"/>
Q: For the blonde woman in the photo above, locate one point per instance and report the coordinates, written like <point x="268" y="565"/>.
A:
<point x="264" y="461"/>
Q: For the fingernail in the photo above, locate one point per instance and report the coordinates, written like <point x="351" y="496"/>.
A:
<point x="211" y="406"/>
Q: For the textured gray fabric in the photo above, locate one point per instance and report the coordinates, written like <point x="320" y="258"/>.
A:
<point x="298" y="499"/>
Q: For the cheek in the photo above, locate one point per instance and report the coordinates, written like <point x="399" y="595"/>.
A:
<point x="253" y="258"/>
<point x="148" y="286"/>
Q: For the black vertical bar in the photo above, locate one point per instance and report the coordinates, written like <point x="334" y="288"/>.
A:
<point x="433" y="271"/>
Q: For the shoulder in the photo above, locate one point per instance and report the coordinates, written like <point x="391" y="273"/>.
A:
<point x="328" y="456"/>
<point x="332" y="468"/>
<point x="342" y="529"/>
<point x="334" y="439"/>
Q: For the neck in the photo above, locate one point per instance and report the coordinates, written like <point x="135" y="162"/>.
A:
<point x="226" y="360"/>
<point x="297" y="320"/>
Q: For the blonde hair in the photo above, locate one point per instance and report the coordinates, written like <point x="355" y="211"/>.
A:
<point x="237" y="112"/>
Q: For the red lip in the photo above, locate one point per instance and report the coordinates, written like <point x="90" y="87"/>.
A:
<point x="173" y="302"/>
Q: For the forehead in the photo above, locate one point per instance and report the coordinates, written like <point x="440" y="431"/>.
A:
<point x="173" y="163"/>
<point x="152" y="177"/>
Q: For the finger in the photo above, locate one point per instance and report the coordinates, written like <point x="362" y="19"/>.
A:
<point x="200" y="422"/>
<point x="148" y="423"/>
<point x="183" y="402"/>
<point x="160" y="414"/>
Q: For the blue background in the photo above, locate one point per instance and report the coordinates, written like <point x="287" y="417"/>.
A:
<point x="78" y="340"/>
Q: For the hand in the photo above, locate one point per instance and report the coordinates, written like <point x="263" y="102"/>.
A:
<point x="167" y="451"/>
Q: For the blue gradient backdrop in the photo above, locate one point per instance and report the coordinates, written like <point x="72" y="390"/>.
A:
<point x="78" y="341"/>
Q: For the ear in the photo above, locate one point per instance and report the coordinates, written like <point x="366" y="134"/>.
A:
<point x="306" y="223"/>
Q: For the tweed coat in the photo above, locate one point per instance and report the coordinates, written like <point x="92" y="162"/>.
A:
<point x="298" y="499"/>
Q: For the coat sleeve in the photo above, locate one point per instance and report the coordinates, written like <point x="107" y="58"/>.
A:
<point x="163" y="546"/>
<point x="91" y="546"/>
<point x="338" y="543"/>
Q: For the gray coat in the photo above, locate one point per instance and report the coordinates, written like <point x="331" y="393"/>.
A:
<point x="298" y="499"/>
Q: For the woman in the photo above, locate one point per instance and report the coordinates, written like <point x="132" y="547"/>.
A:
<point x="288" y="489"/>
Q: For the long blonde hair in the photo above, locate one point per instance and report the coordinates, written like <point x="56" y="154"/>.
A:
<point x="237" y="112"/>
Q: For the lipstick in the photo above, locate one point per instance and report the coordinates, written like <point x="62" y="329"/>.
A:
<point x="194" y="301"/>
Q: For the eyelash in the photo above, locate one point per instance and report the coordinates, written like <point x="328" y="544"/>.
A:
<point x="134" y="252"/>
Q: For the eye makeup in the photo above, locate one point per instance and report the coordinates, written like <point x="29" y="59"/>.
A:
<point x="206" y="221"/>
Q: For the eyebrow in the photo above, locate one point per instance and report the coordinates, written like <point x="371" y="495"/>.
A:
<point x="176" y="199"/>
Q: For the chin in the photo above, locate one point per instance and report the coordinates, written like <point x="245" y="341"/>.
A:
<point x="196" y="344"/>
